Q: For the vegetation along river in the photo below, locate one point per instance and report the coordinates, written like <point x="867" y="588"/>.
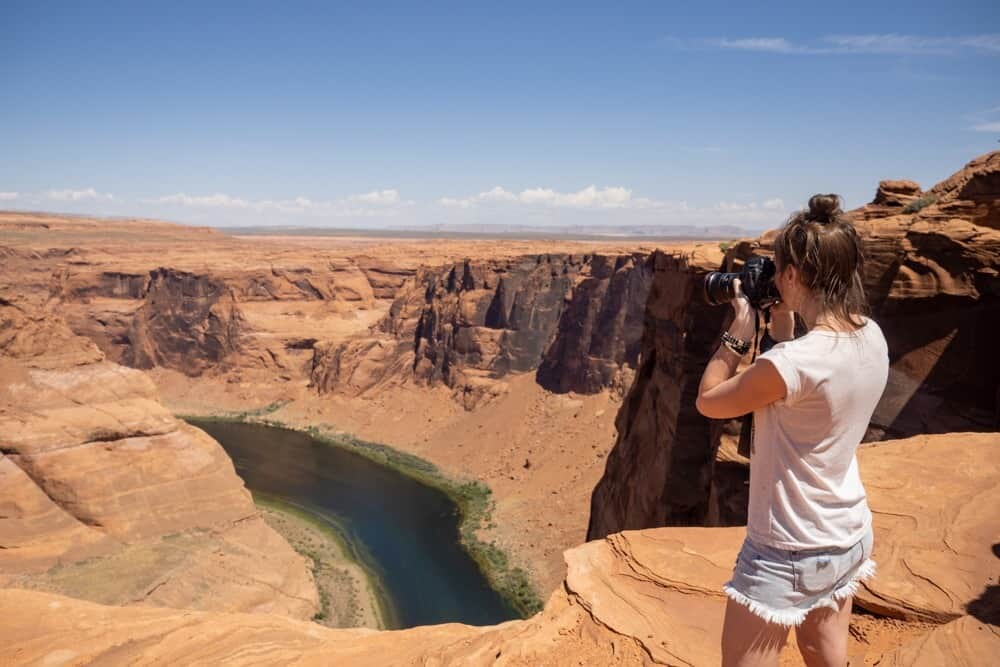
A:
<point x="403" y="532"/>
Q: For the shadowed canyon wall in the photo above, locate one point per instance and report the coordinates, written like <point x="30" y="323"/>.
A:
<point x="575" y="319"/>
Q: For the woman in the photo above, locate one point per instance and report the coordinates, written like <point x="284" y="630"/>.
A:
<point x="809" y="536"/>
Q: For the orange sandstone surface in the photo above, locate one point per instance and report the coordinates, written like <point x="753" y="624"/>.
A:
<point x="105" y="495"/>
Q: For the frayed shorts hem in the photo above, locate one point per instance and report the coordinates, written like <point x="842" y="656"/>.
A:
<point x="794" y="616"/>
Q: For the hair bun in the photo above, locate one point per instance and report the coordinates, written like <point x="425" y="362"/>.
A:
<point x="824" y="208"/>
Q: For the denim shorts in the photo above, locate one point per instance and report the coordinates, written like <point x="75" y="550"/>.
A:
<point x="783" y="585"/>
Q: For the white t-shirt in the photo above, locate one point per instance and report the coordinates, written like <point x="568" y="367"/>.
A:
<point x="805" y="490"/>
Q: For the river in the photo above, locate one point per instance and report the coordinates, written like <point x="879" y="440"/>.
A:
<point x="404" y="532"/>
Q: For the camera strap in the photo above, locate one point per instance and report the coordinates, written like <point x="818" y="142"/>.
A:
<point x="745" y="445"/>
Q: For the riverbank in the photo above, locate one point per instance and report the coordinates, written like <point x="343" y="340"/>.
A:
<point x="348" y="591"/>
<point x="472" y="498"/>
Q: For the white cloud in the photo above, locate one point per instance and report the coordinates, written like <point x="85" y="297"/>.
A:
<point x="987" y="127"/>
<point x="380" y="197"/>
<point x="377" y="202"/>
<point x="90" y="194"/>
<point x="589" y="197"/>
<point x="217" y="200"/>
<point x="548" y="205"/>
<point x="616" y="205"/>
<point x="891" y="44"/>
<point x="871" y="43"/>
<point x="496" y="195"/>
<point x="772" y="44"/>
<point x="982" y="42"/>
<point x="450" y="202"/>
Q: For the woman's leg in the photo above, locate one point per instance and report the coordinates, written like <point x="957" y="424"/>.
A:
<point x="822" y="637"/>
<point x="748" y="640"/>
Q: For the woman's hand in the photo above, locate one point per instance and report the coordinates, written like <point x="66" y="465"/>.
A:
<point x="745" y="315"/>
<point x="782" y="326"/>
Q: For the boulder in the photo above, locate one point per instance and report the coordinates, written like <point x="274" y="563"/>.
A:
<point x="896" y="193"/>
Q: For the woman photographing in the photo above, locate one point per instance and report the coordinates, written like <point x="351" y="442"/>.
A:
<point x="809" y="532"/>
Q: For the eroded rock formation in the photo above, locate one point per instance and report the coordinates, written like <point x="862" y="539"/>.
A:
<point x="660" y="433"/>
<point x="186" y="321"/>
<point x="212" y="320"/>
<point x="575" y="319"/>
<point x="106" y="496"/>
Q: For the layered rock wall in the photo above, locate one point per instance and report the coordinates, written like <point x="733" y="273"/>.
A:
<point x="195" y="322"/>
<point x="106" y="496"/>
<point x="575" y="319"/>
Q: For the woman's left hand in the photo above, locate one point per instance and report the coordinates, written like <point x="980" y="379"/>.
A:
<point x="742" y="326"/>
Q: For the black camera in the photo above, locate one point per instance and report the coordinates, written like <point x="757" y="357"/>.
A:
<point x="756" y="278"/>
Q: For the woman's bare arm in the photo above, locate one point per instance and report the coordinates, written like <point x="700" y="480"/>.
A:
<point x="721" y="395"/>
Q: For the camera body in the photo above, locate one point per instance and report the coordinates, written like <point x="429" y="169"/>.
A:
<point x="756" y="278"/>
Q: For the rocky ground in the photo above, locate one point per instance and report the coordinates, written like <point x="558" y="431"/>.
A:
<point x="559" y="373"/>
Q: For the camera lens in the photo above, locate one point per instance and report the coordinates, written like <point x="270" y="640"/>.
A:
<point x="719" y="288"/>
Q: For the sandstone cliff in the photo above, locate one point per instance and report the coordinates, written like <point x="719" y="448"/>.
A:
<point x="576" y="320"/>
<point x="107" y="497"/>
<point x="217" y="320"/>
<point x="933" y="279"/>
<point x="192" y="299"/>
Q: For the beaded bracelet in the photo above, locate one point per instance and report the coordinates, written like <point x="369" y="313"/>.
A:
<point x="738" y="346"/>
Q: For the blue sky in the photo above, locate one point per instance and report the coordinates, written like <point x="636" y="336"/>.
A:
<point x="376" y="114"/>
